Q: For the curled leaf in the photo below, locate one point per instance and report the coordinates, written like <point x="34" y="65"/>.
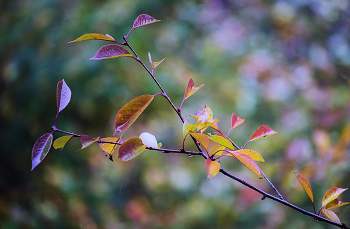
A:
<point x="128" y="114"/>
<point x="63" y="95"/>
<point x="86" y="140"/>
<point x="111" y="51"/>
<point x="330" y="215"/>
<point x="149" y="140"/>
<point x="108" y="147"/>
<point x="252" y="154"/>
<point x="143" y="19"/>
<point x="335" y="204"/>
<point x="306" y="186"/>
<point x="94" y="36"/>
<point x="247" y="161"/>
<point x="59" y="143"/>
<point x="190" y="89"/>
<point x="261" y="132"/>
<point x="212" y="167"/>
<point x="41" y="148"/>
<point x="130" y="149"/>
<point x="203" y="139"/>
<point x="331" y="195"/>
<point x="236" y="121"/>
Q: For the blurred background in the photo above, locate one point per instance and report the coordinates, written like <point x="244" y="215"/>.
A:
<point x="285" y="64"/>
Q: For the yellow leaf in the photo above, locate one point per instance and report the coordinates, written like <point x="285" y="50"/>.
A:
<point x="212" y="167"/>
<point x="109" y="147"/>
<point x="218" y="148"/>
<point x="203" y="139"/>
<point x="330" y="215"/>
<point x="222" y="140"/>
<point x="59" y="143"/>
<point x="253" y="154"/>
<point x="93" y="36"/>
<point x="247" y="161"/>
<point x="331" y="195"/>
<point x="306" y="186"/>
<point x="335" y="204"/>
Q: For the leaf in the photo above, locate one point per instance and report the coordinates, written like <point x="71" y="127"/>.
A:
<point x="330" y="215"/>
<point x="187" y="127"/>
<point x="130" y="149"/>
<point x="86" y="140"/>
<point x="212" y="167"/>
<point x="63" y="95"/>
<point x="111" y="51"/>
<point x="155" y="64"/>
<point x="205" y="119"/>
<point x="306" y="186"/>
<point x="190" y="89"/>
<point x="108" y="147"/>
<point x="222" y="141"/>
<point x="59" y="143"/>
<point x="149" y="140"/>
<point x="41" y="148"/>
<point x="93" y="36"/>
<point x="261" y="132"/>
<point x="203" y="139"/>
<point x="252" y="154"/>
<point x="335" y="204"/>
<point x="247" y="161"/>
<point x="217" y="150"/>
<point x="128" y="114"/>
<point x="236" y="121"/>
<point x="331" y="195"/>
<point x="143" y="19"/>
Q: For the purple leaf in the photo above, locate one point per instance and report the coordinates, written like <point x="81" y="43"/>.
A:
<point x="111" y="51"/>
<point x="41" y="148"/>
<point x="63" y="95"/>
<point x="143" y="19"/>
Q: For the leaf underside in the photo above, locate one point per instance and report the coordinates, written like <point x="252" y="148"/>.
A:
<point x="111" y="51"/>
<point x="41" y="148"/>
<point x="63" y="95"/>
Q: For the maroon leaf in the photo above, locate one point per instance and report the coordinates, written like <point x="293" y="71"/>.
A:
<point x="87" y="140"/>
<point x="130" y="149"/>
<point x="63" y="95"/>
<point x="111" y="51"/>
<point x="41" y="148"/>
<point x="143" y="19"/>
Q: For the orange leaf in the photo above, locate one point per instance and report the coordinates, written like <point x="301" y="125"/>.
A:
<point x="128" y="114"/>
<point x="306" y="186"/>
<point x="335" y="204"/>
<point x="247" y="161"/>
<point x="190" y="89"/>
<point x="218" y="148"/>
<point x="252" y="154"/>
<point x="330" y="215"/>
<point x="261" y="132"/>
<point x="130" y="149"/>
<point x="222" y="140"/>
<point x="236" y="121"/>
<point x="86" y="140"/>
<point x="205" y="119"/>
<point x="203" y="139"/>
<point x="212" y="167"/>
<point x="59" y="143"/>
<point x="331" y="195"/>
<point x="93" y="36"/>
<point x="109" y="147"/>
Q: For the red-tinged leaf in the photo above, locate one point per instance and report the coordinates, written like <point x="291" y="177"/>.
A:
<point x="86" y="140"/>
<point x="63" y="95"/>
<point x="94" y="36"/>
<point x="109" y="147"/>
<point x="190" y="89"/>
<point x="222" y="140"/>
<point x="143" y="19"/>
<point x="111" y="51"/>
<point x="155" y="64"/>
<point x="331" y="195"/>
<point x="128" y="114"/>
<point x="59" y="143"/>
<point x="187" y="127"/>
<point x="130" y="149"/>
<point x="335" y="204"/>
<point x="306" y="186"/>
<point x="41" y="148"/>
<point x="330" y="215"/>
<point x="247" y="161"/>
<point x="212" y="167"/>
<point x="203" y="139"/>
<point x="236" y="121"/>
<point x="252" y="154"/>
<point x="261" y="132"/>
<point x="217" y="150"/>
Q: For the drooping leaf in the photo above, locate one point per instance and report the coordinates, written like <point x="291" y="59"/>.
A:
<point x="247" y="161"/>
<point x="63" y="95"/>
<point x="190" y="89"/>
<point x="261" y="132"/>
<point x="41" y="148"/>
<point x="94" y="36"/>
<point x="143" y="19"/>
<point x="109" y="147"/>
<point x="87" y="140"/>
<point x="203" y="139"/>
<point x="222" y="140"/>
<point x="335" y="204"/>
<point x="331" y="195"/>
<point x="130" y="149"/>
<point x="306" y="186"/>
<point x="128" y="114"/>
<point x="149" y="140"/>
<point x="252" y="154"/>
<point x="187" y="127"/>
<point x="212" y="167"/>
<point x="59" y="143"/>
<point x="111" y="51"/>
<point x="330" y="215"/>
<point x="217" y="150"/>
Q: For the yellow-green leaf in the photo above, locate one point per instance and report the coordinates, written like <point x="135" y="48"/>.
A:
<point x="330" y="215"/>
<point x="253" y="154"/>
<point x="306" y="186"/>
<point x="59" y="143"/>
<point x="222" y="140"/>
<point x="186" y="127"/>
<point x="130" y="149"/>
<point x="212" y="167"/>
<point x="93" y="36"/>
<point x="331" y="195"/>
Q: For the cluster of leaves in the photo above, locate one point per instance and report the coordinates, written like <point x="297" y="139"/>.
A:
<point x="128" y="114"/>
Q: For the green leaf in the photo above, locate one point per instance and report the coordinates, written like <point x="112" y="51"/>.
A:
<point x="59" y="143"/>
<point x="128" y="114"/>
<point x="111" y="51"/>
<point x="41" y="148"/>
<point x="130" y="149"/>
<point x="93" y="36"/>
